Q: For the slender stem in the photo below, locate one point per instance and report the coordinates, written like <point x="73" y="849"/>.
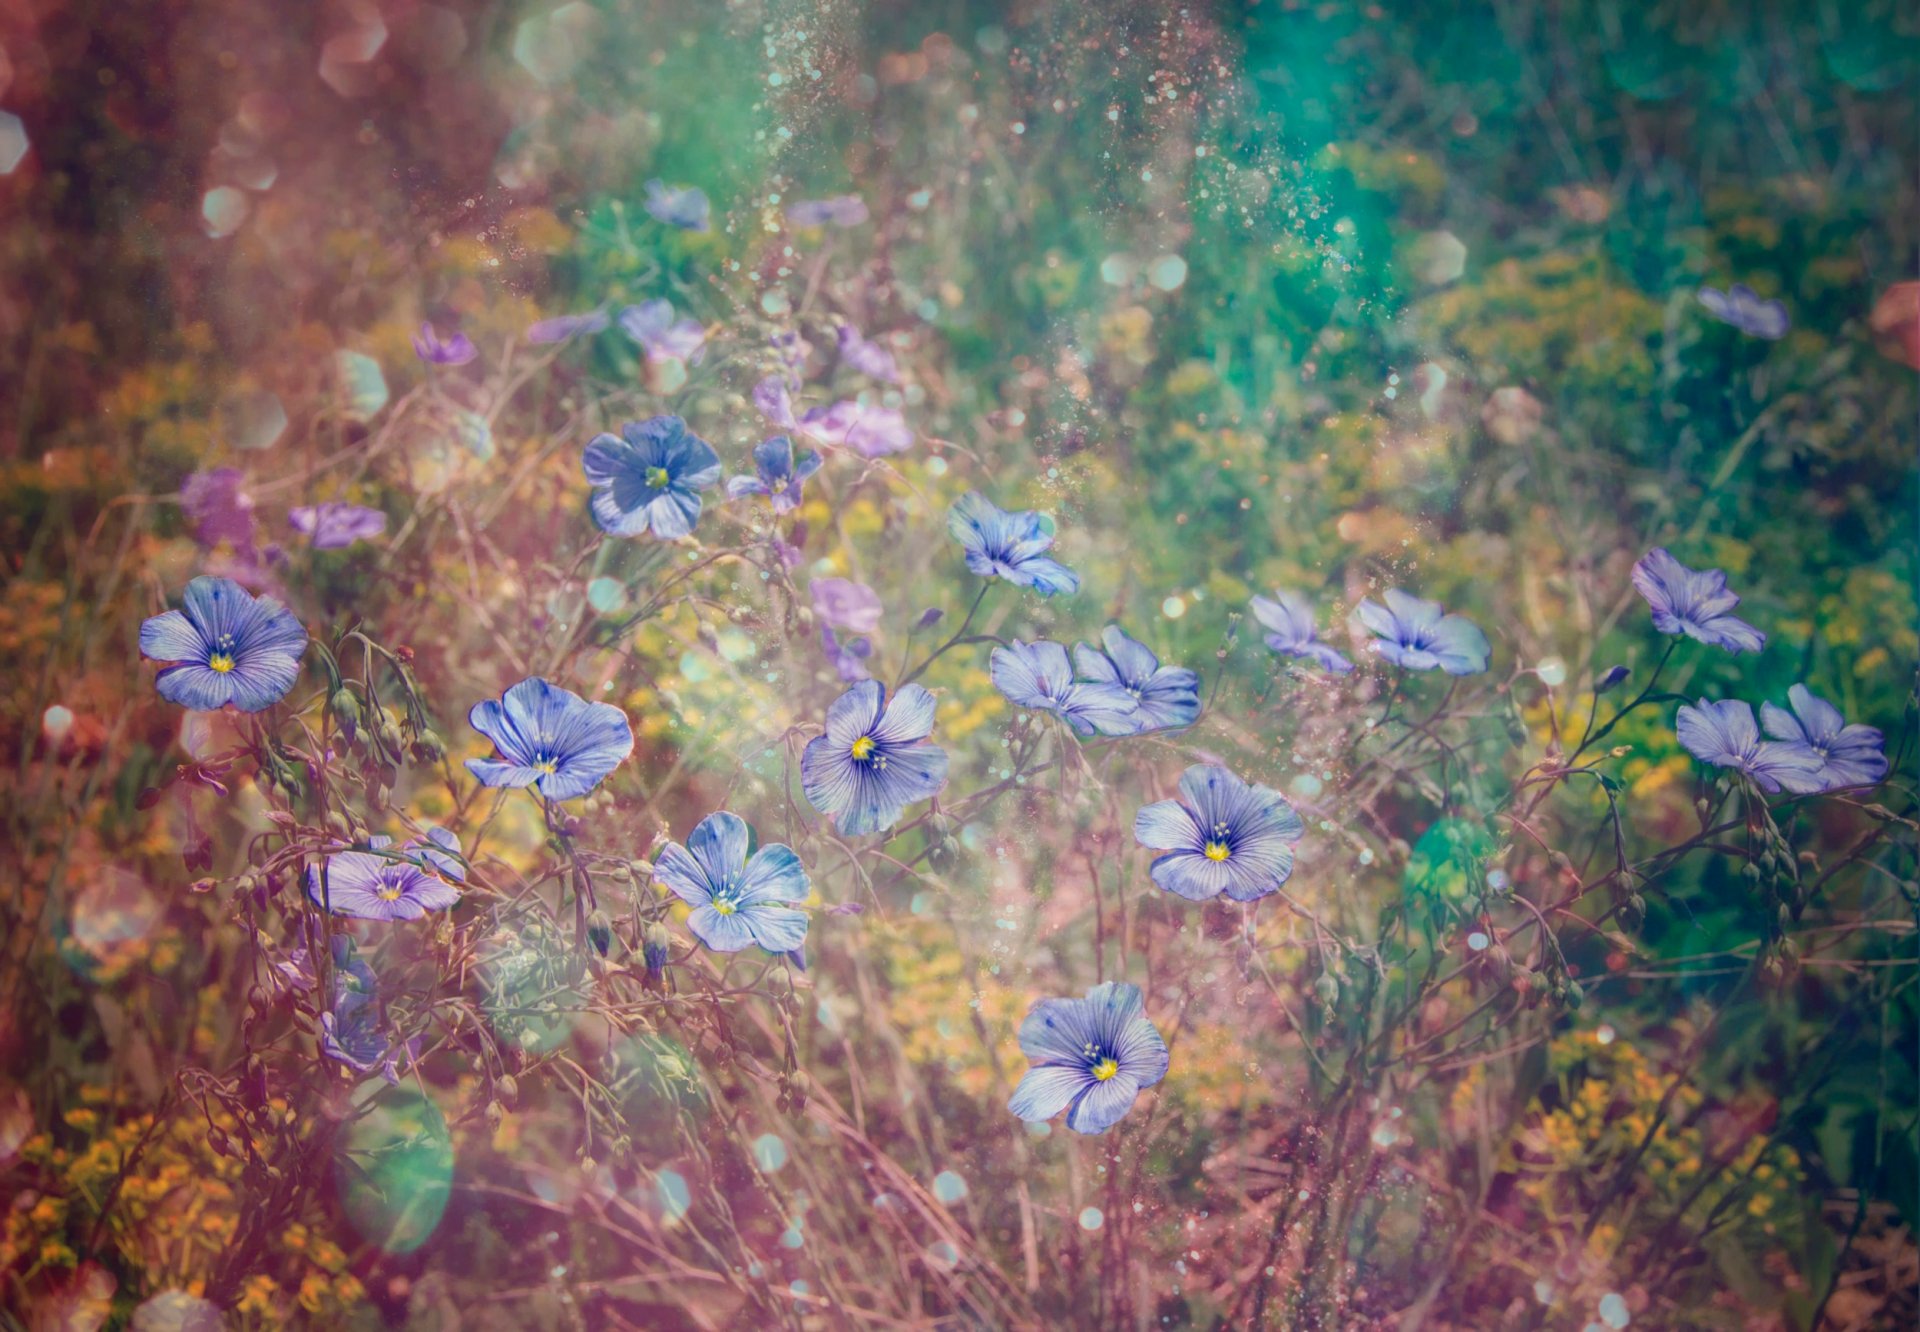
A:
<point x="958" y="634"/>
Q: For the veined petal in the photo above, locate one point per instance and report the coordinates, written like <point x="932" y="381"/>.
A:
<point x="775" y="874"/>
<point x="1167" y="825"/>
<point x="683" y="874"/>
<point x="723" y="934"/>
<point x="1047" y="1090"/>
<point x="777" y="929"/>
<point x="719" y="843"/>
<point x="1104" y="1104"/>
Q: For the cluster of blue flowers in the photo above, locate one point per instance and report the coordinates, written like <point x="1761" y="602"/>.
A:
<point x="1812" y="748"/>
<point x="875" y="756"/>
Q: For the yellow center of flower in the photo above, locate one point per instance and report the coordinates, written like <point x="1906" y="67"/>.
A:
<point x="546" y="766"/>
<point x="1105" y="1069"/>
<point x="1216" y="851"/>
<point x="722" y="906"/>
<point x="657" y="477"/>
<point x="390" y="893"/>
<point x="863" y="748"/>
<point x="221" y="662"/>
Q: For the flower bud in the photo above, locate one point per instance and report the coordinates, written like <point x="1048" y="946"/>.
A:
<point x="600" y="932"/>
<point x="346" y="712"/>
<point x="656" y="946"/>
<point x="507" y="1088"/>
<point x="1614" y="676"/>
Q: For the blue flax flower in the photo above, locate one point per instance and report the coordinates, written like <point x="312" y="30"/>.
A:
<point x="874" y="759"/>
<point x="1416" y="634"/>
<point x="1741" y="307"/>
<point x="649" y="478"/>
<point x="1167" y="696"/>
<point x="375" y="887"/>
<point x="430" y="347"/>
<point x="335" y="525"/>
<point x="683" y="206"/>
<point x="1723" y="733"/>
<point x="1228" y="836"/>
<point x="845" y="210"/>
<point x="1039" y="676"/>
<point x="737" y="899"/>
<point x="1091" y="1057"/>
<point x="1288" y="620"/>
<point x="652" y="325"/>
<point x="224" y="646"/>
<point x="351" y="1031"/>
<point x="780" y="475"/>
<point x="1694" y="602"/>
<point x="550" y="739"/>
<point x="1007" y="545"/>
<point x="1848" y="755"/>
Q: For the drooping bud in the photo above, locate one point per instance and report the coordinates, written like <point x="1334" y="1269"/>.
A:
<point x="1613" y="677"/>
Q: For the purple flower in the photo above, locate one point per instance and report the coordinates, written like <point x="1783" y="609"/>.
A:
<point x="845" y="604"/>
<point x="1229" y="836"/>
<point x="850" y="658"/>
<point x="223" y="647"/>
<point x="1167" y="696"/>
<point x="737" y="899"/>
<point x="1090" y="1057"/>
<point x="336" y="525"/>
<point x="219" y="509"/>
<point x="1288" y="619"/>
<point x="375" y="887"/>
<point x="1693" y="602"/>
<point x="1847" y="755"/>
<point x="351" y="1031"/>
<point x="683" y="206"/>
<point x="1415" y="634"/>
<point x="1724" y="734"/>
<point x="874" y="759"/>
<point x="1039" y="677"/>
<point x="1741" y="307"/>
<point x="846" y="210"/>
<point x="869" y="358"/>
<point x="1009" y="545"/>
<point x="562" y="327"/>
<point x="780" y="475"/>
<point x="652" y="325"/>
<point x="872" y="432"/>
<point x="456" y="350"/>
<point x="549" y="738"/>
<point x="649" y="478"/>
<point x="774" y="401"/>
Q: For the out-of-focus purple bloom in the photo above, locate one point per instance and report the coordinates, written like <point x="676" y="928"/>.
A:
<point x="1741" y="307"/>
<point x="874" y="759"/>
<point x="1694" y="602"/>
<point x="845" y="604"/>
<point x="1090" y="1057"/>
<point x="845" y="210"/>
<point x="849" y="658"/>
<point x="562" y="327"/>
<point x="351" y="1031"/>
<point x="1009" y="545"/>
<point x="1723" y="733"/>
<point x="431" y="348"/>
<point x="1414" y="633"/>
<point x="549" y="738"/>
<point x="1038" y="676"/>
<point x="1229" y="836"/>
<point x="652" y="325"/>
<point x="869" y="358"/>
<point x="219" y="509"/>
<point x="375" y="887"/>
<point x="683" y="206"/>
<point x="1167" y="696"/>
<point x="224" y="646"/>
<point x="780" y="474"/>
<point x="872" y="432"/>
<point x="649" y="478"/>
<point x="336" y="525"/>
<point x="1288" y="620"/>
<point x="1848" y="755"/>
<point x="793" y="351"/>
<point x="774" y="400"/>
<point x="737" y="900"/>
